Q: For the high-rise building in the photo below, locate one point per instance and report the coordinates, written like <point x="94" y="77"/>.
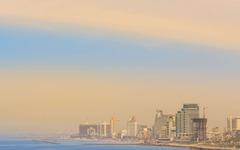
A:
<point x="164" y="125"/>
<point x="132" y="127"/>
<point x="199" y="129"/>
<point x="184" y="120"/>
<point x="229" y="124"/>
<point x="88" y="130"/>
<point x="233" y="123"/>
<point x="113" y="123"/>
<point x="95" y="130"/>
<point x="178" y="124"/>
<point x="104" y="129"/>
<point x="171" y="127"/>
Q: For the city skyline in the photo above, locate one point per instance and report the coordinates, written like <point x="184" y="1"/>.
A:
<point x="66" y="62"/>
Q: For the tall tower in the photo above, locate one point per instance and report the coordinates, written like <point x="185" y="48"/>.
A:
<point x="113" y="123"/>
<point x="199" y="129"/>
<point x="132" y="127"/>
<point x="184" y="120"/>
<point x="233" y="123"/>
<point x="161" y="124"/>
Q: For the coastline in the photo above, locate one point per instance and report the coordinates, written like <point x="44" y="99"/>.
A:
<point x="139" y="143"/>
<point x="190" y="146"/>
<point x="176" y="145"/>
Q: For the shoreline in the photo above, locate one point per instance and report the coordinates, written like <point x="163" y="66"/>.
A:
<point x="190" y="146"/>
<point x="139" y="143"/>
<point x="175" y="145"/>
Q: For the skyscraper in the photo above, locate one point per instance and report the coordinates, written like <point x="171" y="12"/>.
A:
<point x="184" y="120"/>
<point x="199" y="129"/>
<point x="171" y="127"/>
<point x="132" y="127"/>
<point x="233" y="123"/>
<point x="88" y="130"/>
<point x="113" y="123"/>
<point x="104" y="129"/>
<point x="163" y="125"/>
<point x="178" y="124"/>
<point x="95" y="130"/>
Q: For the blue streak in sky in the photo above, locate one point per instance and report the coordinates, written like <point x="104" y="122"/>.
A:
<point x="22" y="48"/>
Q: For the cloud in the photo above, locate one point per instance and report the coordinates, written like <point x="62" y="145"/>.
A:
<point x="214" y="23"/>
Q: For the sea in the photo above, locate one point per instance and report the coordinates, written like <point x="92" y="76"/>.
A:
<point x="28" y="144"/>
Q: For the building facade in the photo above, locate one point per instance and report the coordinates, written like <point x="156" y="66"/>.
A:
<point x="88" y="130"/>
<point x="144" y="132"/>
<point x="233" y="123"/>
<point x="132" y="127"/>
<point x="104" y="130"/>
<point x="199" y="129"/>
<point x="184" y="120"/>
<point x="95" y="130"/>
<point x="164" y="125"/>
<point x="171" y="127"/>
<point x="114" y="127"/>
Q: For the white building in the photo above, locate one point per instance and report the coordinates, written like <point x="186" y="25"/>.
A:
<point x="104" y="129"/>
<point x="233" y="123"/>
<point x="113" y="123"/>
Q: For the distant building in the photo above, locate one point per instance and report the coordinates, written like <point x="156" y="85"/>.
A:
<point x="199" y="129"/>
<point x="95" y="130"/>
<point x="132" y="127"/>
<point x="144" y="132"/>
<point x="184" y="121"/>
<point x="123" y="133"/>
<point x="164" y="125"/>
<point x="233" y="123"/>
<point x="140" y="128"/>
<point x="88" y="130"/>
<point x="215" y="135"/>
<point x="178" y="124"/>
<point x="104" y="130"/>
<point x="171" y="127"/>
<point x="113" y="124"/>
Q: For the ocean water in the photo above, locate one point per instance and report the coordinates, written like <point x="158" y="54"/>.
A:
<point x="25" y="144"/>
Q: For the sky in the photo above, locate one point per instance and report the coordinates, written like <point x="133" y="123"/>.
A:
<point x="72" y="61"/>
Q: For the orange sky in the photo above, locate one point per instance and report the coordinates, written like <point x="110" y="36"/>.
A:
<point x="214" y="23"/>
<point x="58" y="102"/>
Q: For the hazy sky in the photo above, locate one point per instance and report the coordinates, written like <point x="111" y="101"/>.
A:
<point x="63" y="62"/>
